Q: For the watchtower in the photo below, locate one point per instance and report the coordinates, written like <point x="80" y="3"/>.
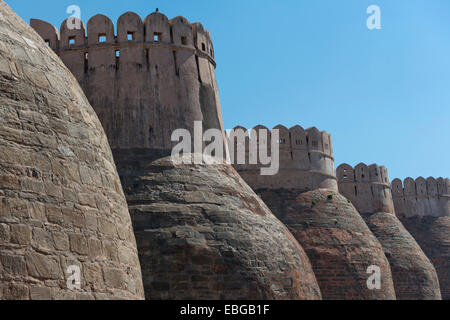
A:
<point x="144" y="79"/>
<point x="367" y="187"/>
<point x="305" y="158"/>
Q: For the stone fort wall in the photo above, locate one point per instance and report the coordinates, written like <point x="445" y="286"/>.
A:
<point x="306" y="158"/>
<point x="421" y="198"/>
<point x="423" y="206"/>
<point x="144" y="81"/>
<point x="61" y="202"/>
<point x="367" y="187"/>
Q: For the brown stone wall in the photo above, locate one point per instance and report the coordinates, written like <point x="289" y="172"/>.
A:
<point x="338" y="243"/>
<point x="369" y="190"/>
<point x="433" y="236"/>
<point x="414" y="276"/>
<point x="202" y="233"/>
<point x="61" y="202"/>
<point x="423" y="206"/>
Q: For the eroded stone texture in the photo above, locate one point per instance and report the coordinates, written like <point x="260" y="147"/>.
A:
<point x="423" y="206"/>
<point x="414" y="276"/>
<point x="369" y="190"/>
<point x="338" y="243"/>
<point x="61" y="203"/>
<point x="202" y="233"/>
<point x="433" y="236"/>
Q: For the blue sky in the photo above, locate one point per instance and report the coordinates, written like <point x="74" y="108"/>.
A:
<point x="384" y="95"/>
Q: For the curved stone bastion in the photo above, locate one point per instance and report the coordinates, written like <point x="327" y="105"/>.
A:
<point x="337" y="241"/>
<point x="202" y="234"/>
<point x="201" y="231"/>
<point x="423" y="206"/>
<point x="62" y="209"/>
<point x="369" y="190"/>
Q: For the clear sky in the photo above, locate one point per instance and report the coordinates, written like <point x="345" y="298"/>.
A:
<point x="384" y="95"/>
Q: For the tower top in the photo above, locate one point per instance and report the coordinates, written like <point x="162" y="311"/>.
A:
<point x="144" y="78"/>
<point x="155" y="30"/>
<point x="367" y="187"/>
<point x="305" y="158"/>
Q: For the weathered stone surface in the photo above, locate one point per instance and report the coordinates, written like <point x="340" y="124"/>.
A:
<point x="433" y="236"/>
<point x="338" y="243"/>
<point x="49" y="136"/>
<point x="414" y="276"/>
<point x="423" y="206"/>
<point x="369" y="190"/>
<point x="203" y="234"/>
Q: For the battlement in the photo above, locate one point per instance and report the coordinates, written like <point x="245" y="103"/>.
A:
<point x="367" y="187"/>
<point x="305" y="157"/>
<point x="421" y="197"/>
<point x="144" y="79"/>
<point x="155" y="31"/>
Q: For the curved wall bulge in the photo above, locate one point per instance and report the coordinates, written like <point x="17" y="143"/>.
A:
<point x="423" y="206"/>
<point x="62" y="207"/>
<point x="368" y="188"/>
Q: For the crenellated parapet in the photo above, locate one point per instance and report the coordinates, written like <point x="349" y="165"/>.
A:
<point x="305" y="157"/>
<point x="155" y="31"/>
<point x="367" y="187"/>
<point x="144" y="78"/>
<point x="421" y="197"/>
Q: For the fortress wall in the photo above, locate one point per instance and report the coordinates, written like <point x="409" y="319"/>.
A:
<point x="239" y="142"/>
<point x="130" y="84"/>
<point x="61" y="201"/>
<point x="99" y="74"/>
<point x="423" y="206"/>
<point x="48" y="32"/>
<point x="70" y="41"/>
<point x="98" y="26"/>
<point x="157" y="24"/>
<point x="150" y="79"/>
<point x="209" y="91"/>
<point x="398" y="197"/>
<point x="421" y="198"/>
<point x="187" y="71"/>
<point x="367" y="187"/>
<point x="130" y="24"/>
<point x="305" y="159"/>
<point x="163" y="84"/>
<point x="201" y="44"/>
